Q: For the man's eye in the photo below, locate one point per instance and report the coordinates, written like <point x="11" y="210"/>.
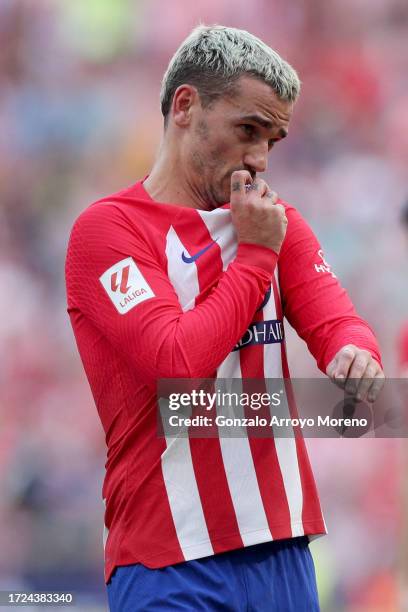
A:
<point x="248" y="129"/>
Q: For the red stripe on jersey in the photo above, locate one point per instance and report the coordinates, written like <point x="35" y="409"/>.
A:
<point x="311" y="506"/>
<point x="268" y="472"/>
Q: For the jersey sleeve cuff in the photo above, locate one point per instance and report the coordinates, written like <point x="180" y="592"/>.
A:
<point x="257" y="255"/>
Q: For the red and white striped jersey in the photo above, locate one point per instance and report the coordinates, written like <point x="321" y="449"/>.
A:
<point x="164" y="291"/>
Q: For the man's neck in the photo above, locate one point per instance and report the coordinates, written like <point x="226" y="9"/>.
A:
<point x="169" y="185"/>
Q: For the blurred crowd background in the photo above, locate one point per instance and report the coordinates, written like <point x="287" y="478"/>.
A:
<point x="79" y="119"/>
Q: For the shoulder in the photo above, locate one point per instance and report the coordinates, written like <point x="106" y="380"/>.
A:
<point x="292" y="212"/>
<point x="98" y="215"/>
<point x="108" y="225"/>
<point x="298" y="228"/>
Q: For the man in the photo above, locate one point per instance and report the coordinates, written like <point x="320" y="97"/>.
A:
<point x="164" y="279"/>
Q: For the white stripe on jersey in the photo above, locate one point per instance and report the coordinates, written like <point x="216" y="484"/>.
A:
<point x="183" y="496"/>
<point x="105" y="529"/>
<point x="285" y="446"/>
<point x="220" y="228"/>
<point x="185" y="280"/>
<point x="239" y="464"/>
<point x="176" y="461"/>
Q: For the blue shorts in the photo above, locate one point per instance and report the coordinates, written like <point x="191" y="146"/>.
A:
<point x="274" y="576"/>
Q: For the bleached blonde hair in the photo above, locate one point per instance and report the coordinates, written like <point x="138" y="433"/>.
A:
<point x="212" y="58"/>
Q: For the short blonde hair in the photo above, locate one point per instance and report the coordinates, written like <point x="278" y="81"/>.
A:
<point x="212" y="58"/>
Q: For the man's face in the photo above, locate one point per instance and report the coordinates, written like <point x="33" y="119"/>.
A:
<point x="235" y="133"/>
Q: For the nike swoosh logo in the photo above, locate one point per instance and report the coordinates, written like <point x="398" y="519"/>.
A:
<point x="194" y="258"/>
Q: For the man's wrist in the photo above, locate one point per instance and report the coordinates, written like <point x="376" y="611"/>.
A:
<point x="257" y="255"/>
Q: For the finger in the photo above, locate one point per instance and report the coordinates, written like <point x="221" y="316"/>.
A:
<point x="242" y="175"/>
<point x="356" y="371"/>
<point x="257" y="187"/>
<point x="331" y="368"/>
<point x="281" y="208"/>
<point x="338" y="368"/>
<point x="330" y="371"/>
<point x="376" y="386"/>
<point x="239" y="179"/>
<point x="367" y="380"/>
<point x="272" y="195"/>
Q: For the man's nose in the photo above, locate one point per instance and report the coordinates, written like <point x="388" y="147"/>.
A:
<point x="257" y="158"/>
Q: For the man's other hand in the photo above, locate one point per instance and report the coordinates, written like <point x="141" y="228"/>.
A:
<point x="357" y="372"/>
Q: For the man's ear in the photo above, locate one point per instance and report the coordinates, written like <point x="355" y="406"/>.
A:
<point x="184" y="99"/>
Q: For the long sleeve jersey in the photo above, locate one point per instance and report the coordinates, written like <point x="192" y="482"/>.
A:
<point x="164" y="291"/>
